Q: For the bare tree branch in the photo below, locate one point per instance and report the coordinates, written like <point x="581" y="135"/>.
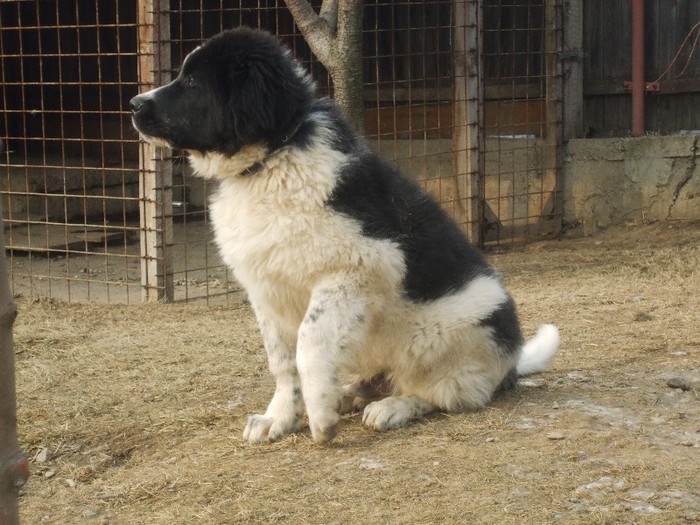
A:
<point x="335" y="37"/>
<point x="329" y="12"/>
<point x="316" y="30"/>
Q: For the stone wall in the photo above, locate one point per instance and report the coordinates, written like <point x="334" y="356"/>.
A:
<point x="612" y="181"/>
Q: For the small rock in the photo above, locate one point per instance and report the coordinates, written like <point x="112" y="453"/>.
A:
<point x="619" y="484"/>
<point x="234" y="403"/>
<point x="490" y="439"/>
<point x="42" y="456"/>
<point x="90" y="513"/>
<point x="49" y="474"/>
<point x="71" y="483"/>
<point x="577" y="376"/>
<point x="371" y="464"/>
<point x="555" y="436"/>
<point x="679" y="382"/>
<point x="531" y="383"/>
<point x="642" y="494"/>
<point x="644" y="508"/>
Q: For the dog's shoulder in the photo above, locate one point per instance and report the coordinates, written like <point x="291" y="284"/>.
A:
<point x="389" y="205"/>
<point x="325" y="127"/>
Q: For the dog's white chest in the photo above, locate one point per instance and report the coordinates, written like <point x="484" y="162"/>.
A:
<point x="281" y="243"/>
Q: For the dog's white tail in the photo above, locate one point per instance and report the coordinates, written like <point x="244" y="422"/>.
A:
<point x="538" y="351"/>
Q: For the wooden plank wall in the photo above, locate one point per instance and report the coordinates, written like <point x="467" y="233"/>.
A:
<point x="607" y="65"/>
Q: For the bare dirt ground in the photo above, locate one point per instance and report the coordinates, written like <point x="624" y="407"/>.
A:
<point x="133" y="414"/>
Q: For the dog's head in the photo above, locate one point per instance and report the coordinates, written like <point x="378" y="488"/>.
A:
<point x="241" y="87"/>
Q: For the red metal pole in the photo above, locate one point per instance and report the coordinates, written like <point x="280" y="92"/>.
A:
<point x="638" y="86"/>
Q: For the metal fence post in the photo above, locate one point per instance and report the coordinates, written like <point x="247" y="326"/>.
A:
<point x="155" y="165"/>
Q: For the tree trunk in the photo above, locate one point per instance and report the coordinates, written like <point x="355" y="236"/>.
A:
<point x="14" y="468"/>
<point x="335" y="37"/>
<point x="346" y="73"/>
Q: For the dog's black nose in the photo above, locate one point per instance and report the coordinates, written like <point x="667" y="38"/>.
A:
<point x="136" y="103"/>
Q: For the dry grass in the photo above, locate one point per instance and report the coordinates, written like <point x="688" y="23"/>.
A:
<point x="142" y="408"/>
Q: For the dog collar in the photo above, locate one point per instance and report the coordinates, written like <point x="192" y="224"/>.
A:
<point x="290" y="136"/>
<point x="255" y="168"/>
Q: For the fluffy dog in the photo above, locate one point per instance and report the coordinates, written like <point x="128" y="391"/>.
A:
<point x="348" y="264"/>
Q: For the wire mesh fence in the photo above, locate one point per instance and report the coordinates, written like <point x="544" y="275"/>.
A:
<point x="68" y="168"/>
<point x="461" y="95"/>
<point x="522" y="99"/>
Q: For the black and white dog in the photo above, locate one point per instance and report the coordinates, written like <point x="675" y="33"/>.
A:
<point x="349" y="266"/>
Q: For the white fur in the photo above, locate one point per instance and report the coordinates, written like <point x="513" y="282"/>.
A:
<point x="328" y="299"/>
<point x="538" y="352"/>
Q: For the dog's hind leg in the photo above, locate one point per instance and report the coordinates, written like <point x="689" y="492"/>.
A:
<point x="333" y="329"/>
<point x="357" y="395"/>
<point x="395" y="412"/>
<point x="284" y="413"/>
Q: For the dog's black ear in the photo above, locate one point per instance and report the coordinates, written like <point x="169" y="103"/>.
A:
<point x="267" y="97"/>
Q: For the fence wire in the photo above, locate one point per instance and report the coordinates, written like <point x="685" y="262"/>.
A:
<point x="461" y="95"/>
<point x="522" y="99"/>
<point x="68" y="169"/>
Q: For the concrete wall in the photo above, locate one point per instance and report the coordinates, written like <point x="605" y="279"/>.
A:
<point x="611" y="181"/>
<point x="605" y="181"/>
<point x="58" y="193"/>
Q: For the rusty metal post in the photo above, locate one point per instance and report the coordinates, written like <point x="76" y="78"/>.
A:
<point x="14" y="469"/>
<point x="155" y="165"/>
<point x="638" y="87"/>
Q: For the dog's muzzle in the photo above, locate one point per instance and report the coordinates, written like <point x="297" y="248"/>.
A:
<point x="138" y="103"/>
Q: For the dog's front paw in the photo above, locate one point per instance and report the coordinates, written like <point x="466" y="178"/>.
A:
<point x="393" y="412"/>
<point x="263" y="429"/>
<point x="257" y="429"/>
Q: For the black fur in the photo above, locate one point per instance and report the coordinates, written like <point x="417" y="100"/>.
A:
<point x="241" y="88"/>
<point x="264" y="99"/>
<point x="505" y="326"/>
<point x="234" y="70"/>
<point x="388" y="205"/>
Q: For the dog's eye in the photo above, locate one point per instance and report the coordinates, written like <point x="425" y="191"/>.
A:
<point x="190" y="81"/>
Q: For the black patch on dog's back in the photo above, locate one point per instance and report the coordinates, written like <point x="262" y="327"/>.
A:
<point x="505" y="327"/>
<point x="439" y="259"/>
